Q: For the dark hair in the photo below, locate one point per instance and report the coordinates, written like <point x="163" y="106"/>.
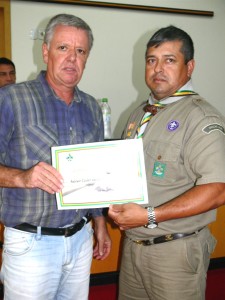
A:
<point x="6" y="61"/>
<point x="172" y="33"/>
<point x="67" y="20"/>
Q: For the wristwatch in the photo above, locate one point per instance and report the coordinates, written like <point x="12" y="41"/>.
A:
<point x="151" y="218"/>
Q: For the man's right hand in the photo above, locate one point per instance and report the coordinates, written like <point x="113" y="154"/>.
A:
<point x="42" y="176"/>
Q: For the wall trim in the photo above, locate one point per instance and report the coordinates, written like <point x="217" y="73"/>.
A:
<point x="137" y="7"/>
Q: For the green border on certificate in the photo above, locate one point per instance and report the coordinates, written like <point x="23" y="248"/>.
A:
<point x="99" y="174"/>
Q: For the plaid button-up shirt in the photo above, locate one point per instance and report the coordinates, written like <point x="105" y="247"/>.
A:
<point x="32" y="120"/>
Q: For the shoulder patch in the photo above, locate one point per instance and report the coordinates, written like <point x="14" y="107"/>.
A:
<point x="212" y="127"/>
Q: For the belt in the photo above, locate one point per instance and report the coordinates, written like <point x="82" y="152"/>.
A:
<point x="67" y="231"/>
<point x="164" y="238"/>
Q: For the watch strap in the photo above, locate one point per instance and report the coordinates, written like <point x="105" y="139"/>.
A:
<point x="151" y="217"/>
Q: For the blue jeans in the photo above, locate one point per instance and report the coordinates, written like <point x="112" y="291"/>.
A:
<point x="41" y="267"/>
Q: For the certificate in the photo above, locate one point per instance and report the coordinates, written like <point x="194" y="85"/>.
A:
<point x="99" y="174"/>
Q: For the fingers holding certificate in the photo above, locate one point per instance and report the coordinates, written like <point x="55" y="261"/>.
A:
<point x="100" y="174"/>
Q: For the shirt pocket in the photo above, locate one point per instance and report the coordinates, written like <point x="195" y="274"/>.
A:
<point x="163" y="162"/>
<point x="39" y="139"/>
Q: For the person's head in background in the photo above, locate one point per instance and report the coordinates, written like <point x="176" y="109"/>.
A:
<point x="7" y="72"/>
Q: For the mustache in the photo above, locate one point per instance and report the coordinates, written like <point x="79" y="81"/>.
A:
<point x="159" y="77"/>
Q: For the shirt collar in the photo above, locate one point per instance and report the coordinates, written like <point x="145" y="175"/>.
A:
<point x="49" y="91"/>
<point x="168" y="100"/>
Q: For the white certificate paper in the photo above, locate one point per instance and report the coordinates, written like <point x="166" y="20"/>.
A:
<point x="100" y="174"/>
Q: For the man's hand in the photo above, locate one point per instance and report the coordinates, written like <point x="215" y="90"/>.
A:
<point x="128" y="216"/>
<point x="42" y="176"/>
<point x="197" y="200"/>
<point x="103" y="241"/>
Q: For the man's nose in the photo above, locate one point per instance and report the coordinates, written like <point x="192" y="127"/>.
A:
<point x="158" y="67"/>
<point x="10" y="77"/>
<point x="72" y="55"/>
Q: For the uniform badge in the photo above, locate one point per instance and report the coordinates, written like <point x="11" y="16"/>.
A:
<point x="131" y="126"/>
<point x="173" y="125"/>
<point x="130" y="129"/>
<point x="212" y="127"/>
<point x="159" y="169"/>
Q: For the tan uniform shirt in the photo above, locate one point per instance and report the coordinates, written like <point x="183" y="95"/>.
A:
<point x="184" y="146"/>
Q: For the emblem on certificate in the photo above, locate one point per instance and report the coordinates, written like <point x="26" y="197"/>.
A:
<point x="100" y="174"/>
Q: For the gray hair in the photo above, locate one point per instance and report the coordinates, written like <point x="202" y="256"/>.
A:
<point x="67" y="20"/>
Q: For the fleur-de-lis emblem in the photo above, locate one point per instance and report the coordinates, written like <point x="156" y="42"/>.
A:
<point x="69" y="157"/>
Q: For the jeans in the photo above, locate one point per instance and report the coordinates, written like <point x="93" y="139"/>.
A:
<point x="41" y="267"/>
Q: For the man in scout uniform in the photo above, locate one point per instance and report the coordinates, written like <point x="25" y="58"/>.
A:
<point x="168" y="245"/>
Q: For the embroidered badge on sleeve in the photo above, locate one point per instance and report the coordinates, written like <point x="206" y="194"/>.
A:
<point x="212" y="127"/>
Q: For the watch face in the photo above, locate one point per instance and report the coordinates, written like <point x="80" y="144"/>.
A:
<point x="152" y="225"/>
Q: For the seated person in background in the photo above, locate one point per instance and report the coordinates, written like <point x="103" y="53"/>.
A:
<point x="7" y="72"/>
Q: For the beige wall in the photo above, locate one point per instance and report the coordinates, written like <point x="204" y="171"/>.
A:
<point x="116" y="65"/>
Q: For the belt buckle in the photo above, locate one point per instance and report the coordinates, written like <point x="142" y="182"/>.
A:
<point x="168" y="237"/>
<point x="148" y="243"/>
<point x="76" y="227"/>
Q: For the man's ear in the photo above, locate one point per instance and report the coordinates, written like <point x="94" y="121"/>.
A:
<point x="191" y="66"/>
<point x="45" y="52"/>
